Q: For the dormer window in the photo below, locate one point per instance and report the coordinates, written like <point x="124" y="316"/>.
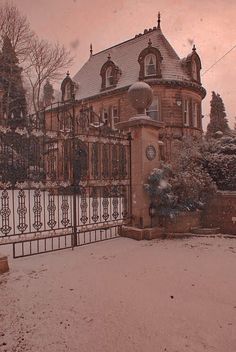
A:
<point x="67" y="88"/>
<point x="150" y="65"/>
<point x="150" y="62"/>
<point x="193" y="65"/>
<point x="67" y="94"/>
<point x="109" y="77"/>
<point x="110" y="74"/>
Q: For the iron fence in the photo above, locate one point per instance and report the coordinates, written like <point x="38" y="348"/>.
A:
<point x="64" y="174"/>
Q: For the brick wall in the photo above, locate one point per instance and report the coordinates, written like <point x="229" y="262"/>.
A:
<point x="221" y="212"/>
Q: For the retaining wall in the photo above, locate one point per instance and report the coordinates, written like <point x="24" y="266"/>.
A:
<point x="221" y="212"/>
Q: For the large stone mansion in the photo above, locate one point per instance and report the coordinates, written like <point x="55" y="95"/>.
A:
<point x="103" y="81"/>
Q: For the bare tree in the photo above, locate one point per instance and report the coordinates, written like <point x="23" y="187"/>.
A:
<point x="45" y="61"/>
<point x="40" y="59"/>
<point x="16" y="27"/>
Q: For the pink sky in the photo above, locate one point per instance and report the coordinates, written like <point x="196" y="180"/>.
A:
<point x="209" y="24"/>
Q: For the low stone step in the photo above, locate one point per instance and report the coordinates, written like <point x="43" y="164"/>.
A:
<point x="205" y="230"/>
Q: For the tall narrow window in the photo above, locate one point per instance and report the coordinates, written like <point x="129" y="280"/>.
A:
<point x="114" y="116"/>
<point x="105" y="117"/>
<point x="153" y="110"/>
<point x="110" y="74"/>
<point x="195" y="114"/>
<point x="109" y="77"/>
<point x="194" y="70"/>
<point x="150" y="65"/>
<point x="186" y="112"/>
<point x="67" y="95"/>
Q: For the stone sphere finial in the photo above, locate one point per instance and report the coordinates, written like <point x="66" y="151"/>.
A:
<point x="140" y="96"/>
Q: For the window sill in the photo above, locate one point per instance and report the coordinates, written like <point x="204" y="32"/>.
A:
<point x="149" y="77"/>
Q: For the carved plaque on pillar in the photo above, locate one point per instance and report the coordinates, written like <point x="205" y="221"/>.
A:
<point x="151" y="152"/>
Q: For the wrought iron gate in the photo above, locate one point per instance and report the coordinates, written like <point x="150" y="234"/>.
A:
<point x="64" y="180"/>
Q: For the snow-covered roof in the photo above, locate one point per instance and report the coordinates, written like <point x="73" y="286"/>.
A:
<point x="125" y="56"/>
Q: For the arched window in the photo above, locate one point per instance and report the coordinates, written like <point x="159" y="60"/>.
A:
<point x="109" y="77"/>
<point x="150" y="64"/>
<point x="67" y="94"/>
<point x="110" y="74"/>
<point x="193" y="66"/>
<point x="67" y="88"/>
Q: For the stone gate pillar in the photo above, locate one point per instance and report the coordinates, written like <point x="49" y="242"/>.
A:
<point x="145" y="157"/>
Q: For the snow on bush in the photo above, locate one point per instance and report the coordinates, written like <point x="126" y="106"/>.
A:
<point x="182" y="185"/>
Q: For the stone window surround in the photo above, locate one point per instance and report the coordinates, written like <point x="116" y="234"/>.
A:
<point x="115" y="72"/>
<point x="141" y="60"/>
<point x="67" y="88"/>
<point x="194" y="62"/>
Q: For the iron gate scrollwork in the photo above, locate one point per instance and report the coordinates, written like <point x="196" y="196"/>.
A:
<point x="72" y="184"/>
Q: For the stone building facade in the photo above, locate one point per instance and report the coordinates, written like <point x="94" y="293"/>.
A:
<point x="102" y="83"/>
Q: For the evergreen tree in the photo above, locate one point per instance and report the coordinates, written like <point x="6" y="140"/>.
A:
<point x="48" y="92"/>
<point x="218" y="121"/>
<point x="14" y="107"/>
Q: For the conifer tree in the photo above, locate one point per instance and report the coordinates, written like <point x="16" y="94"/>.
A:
<point x="218" y="121"/>
<point x="14" y="103"/>
<point x="48" y="92"/>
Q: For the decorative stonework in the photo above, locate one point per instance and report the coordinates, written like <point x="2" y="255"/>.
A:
<point x="141" y="59"/>
<point x="115" y="73"/>
<point x="140" y="96"/>
<point x="193" y="66"/>
<point x="151" y="152"/>
<point x="67" y="88"/>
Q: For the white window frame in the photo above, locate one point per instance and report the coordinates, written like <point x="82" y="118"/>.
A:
<point x="105" y="116"/>
<point x="186" y="112"/>
<point x="146" y="65"/>
<point x="67" y="95"/>
<point x="153" y="109"/>
<point x="114" y="116"/>
<point x="195" y="114"/>
<point x="109" y="76"/>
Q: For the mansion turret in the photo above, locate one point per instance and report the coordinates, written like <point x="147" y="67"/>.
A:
<point x="102" y="84"/>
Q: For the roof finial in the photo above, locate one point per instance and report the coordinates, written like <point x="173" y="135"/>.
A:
<point x="194" y="47"/>
<point x="68" y="73"/>
<point x="109" y="56"/>
<point x="91" y="49"/>
<point x="149" y="42"/>
<point x="159" y="21"/>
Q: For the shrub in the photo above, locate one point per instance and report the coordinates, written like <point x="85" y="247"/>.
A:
<point x="183" y="185"/>
<point x="219" y="160"/>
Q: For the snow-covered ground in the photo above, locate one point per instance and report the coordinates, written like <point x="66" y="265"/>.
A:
<point x="123" y="295"/>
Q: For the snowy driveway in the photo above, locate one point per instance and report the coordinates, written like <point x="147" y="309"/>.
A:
<point x="123" y="295"/>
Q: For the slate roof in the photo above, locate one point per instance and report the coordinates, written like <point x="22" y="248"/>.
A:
<point x="125" y="56"/>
